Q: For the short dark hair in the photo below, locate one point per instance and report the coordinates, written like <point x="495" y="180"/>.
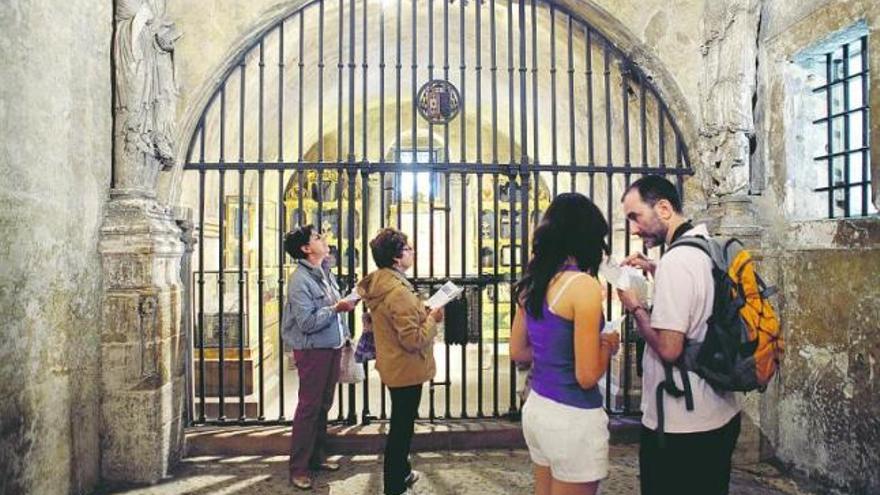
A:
<point x="653" y="188"/>
<point x="386" y="246"/>
<point x="296" y="239"/>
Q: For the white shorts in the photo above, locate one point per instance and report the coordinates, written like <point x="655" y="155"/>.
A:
<point x="571" y="441"/>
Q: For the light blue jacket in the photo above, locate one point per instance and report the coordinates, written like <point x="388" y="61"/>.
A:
<point x="309" y="321"/>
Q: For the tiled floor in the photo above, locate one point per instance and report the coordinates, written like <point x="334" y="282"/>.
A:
<point x="506" y="472"/>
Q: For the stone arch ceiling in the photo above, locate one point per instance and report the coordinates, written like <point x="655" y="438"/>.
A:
<point x="615" y="31"/>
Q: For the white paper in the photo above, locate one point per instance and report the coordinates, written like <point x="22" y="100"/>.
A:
<point x="352" y="296"/>
<point x="444" y="294"/>
<point x="624" y="278"/>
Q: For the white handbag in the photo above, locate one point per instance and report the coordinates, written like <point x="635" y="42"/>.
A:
<point x="350" y="371"/>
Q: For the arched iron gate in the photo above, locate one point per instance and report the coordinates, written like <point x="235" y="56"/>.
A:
<point x="318" y="122"/>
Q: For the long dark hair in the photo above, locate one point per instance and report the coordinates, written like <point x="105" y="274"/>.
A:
<point x="572" y="227"/>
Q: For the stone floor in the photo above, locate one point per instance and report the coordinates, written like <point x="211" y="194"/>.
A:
<point x="481" y="472"/>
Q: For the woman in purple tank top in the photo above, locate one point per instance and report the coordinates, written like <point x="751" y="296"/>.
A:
<point x="557" y="328"/>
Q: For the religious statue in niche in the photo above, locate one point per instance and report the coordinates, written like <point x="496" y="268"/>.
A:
<point x="727" y="90"/>
<point x="146" y="92"/>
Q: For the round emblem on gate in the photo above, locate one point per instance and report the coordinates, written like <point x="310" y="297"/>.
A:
<point x="439" y="101"/>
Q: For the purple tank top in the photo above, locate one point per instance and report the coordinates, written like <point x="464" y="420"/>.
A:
<point x="553" y="373"/>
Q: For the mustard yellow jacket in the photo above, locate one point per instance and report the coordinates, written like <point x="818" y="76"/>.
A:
<point x="404" y="332"/>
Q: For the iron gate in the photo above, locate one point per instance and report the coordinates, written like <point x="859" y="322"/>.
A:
<point x="318" y="122"/>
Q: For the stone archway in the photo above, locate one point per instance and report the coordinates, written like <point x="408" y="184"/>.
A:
<point x="316" y="93"/>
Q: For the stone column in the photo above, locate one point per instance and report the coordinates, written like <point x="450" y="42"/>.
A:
<point x="728" y="88"/>
<point x="142" y="345"/>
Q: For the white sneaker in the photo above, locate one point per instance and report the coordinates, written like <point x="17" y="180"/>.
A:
<point x="414" y="476"/>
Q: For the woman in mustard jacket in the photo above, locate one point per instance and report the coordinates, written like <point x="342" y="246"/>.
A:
<point x="404" y="330"/>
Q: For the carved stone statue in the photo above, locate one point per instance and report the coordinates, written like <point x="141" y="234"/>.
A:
<point x="146" y="92"/>
<point x="727" y="89"/>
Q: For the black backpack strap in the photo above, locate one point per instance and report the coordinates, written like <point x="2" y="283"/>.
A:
<point x="668" y="386"/>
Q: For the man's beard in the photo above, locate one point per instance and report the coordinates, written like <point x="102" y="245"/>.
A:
<point x="654" y="239"/>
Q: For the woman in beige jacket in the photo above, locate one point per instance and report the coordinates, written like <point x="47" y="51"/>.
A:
<point x="404" y="330"/>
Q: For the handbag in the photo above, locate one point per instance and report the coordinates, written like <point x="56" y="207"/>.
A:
<point x="366" y="348"/>
<point x="349" y="370"/>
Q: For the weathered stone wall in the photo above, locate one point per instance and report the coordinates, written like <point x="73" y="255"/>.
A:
<point x="821" y="416"/>
<point x="55" y="103"/>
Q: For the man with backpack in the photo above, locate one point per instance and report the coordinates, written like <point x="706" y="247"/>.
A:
<point x="689" y="428"/>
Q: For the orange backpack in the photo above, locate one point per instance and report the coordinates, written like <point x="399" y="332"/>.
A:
<point x="743" y="345"/>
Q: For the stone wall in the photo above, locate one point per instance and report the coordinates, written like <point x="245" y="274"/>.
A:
<point x="821" y="416"/>
<point x="55" y="112"/>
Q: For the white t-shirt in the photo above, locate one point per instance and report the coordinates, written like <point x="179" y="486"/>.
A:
<point x="683" y="295"/>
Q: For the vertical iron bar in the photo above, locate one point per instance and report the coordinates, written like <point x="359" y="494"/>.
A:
<point x="624" y="98"/>
<point x="478" y="83"/>
<point x="591" y="150"/>
<point x="866" y="179"/>
<point x="414" y="138"/>
<point x="462" y="68"/>
<point x="261" y="282"/>
<point x="431" y="157"/>
<point x="523" y="190"/>
<point x="494" y="71"/>
<point x="535" y="151"/>
<point x="365" y="409"/>
<point x="625" y="328"/>
<point x="495" y="309"/>
<point x="241" y="240"/>
<point x="319" y="199"/>
<point x="661" y="134"/>
<point x="481" y="287"/>
<point x="397" y="182"/>
<point x="510" y="86"/>
<point x="643" y="118"/>
<point x="571" y="134"/>
<point x="300" y="173"/>
<point x="845" y="149"/>
<point x="398" y="176"/>
<point x="349" y="251"/>
<point x="609" y="191"/>
<point x="830" y="134"/>
<point x="624" y="95"/>
<point x="553" y="102"/>
<point x="220" y="260"/>
<point x="281" y="219"/>
<point x="382" y="106"/>
<point x="446" y="177"/>
<point x="340" y="82"/>
<point x="201" y="270"/>
<point x="364" y="98"/>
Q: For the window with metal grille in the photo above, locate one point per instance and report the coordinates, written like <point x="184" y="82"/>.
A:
<point x="843" y="167"/>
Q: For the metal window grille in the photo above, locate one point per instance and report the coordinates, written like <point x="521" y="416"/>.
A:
<point x="846" y="176"/>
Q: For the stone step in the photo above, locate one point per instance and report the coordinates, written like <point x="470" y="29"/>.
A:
<point x="370" y="439"/>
